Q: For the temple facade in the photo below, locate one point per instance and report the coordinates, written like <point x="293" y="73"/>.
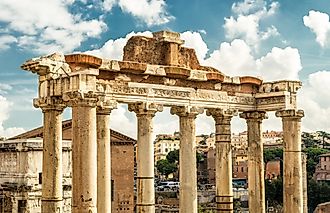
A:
<point x="159" y="72"/>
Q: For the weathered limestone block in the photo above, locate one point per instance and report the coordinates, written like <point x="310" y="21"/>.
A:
<point x="164" y="48"/>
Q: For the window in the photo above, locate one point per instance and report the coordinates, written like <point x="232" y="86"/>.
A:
<point x="21" y="206"/>
<point x="40" y="177"/>
<point x="112" y="190"/>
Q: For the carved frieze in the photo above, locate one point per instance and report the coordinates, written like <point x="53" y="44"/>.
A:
<point x="171" y="93"/>
<point x="129" y="90"/>
<point x="79" y="98"/>
<point x="270" y="100"/>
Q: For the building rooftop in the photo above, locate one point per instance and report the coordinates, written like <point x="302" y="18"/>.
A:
<point x="116" y="137"/>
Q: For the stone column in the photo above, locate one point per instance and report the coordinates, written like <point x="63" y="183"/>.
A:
<point x="292" y="170"/>
<point x="84" y="156"/>
<point x="145" y="156"/>
<point x="103" y="159"/>
<point x="256" y="174"/>
<point x="304" y="175"/>
<point x="188" y="167"/>
<point x="223" y="159"/>
<point x="52" y="174"/>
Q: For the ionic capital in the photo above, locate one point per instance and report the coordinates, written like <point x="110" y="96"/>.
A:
<point x="290" y="114"/>
<point x="105" y="105"/>
<point x="186" y="111"/>
<point x="254" y="115"/>
<point x="78" y="98"/>
<point x="145" y="108"/>
<point x="49" y="103"/>
<point x="222" y="114"/>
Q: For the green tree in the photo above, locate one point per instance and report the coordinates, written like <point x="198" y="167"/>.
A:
<point x="173" y="156"/>
<point x="308" y="140"/>
<point x="165" y="168"/>
<point x="273" y="154"/>
<point x="324" y="136"/>
<point x="274" y="191"/>
<point x="318" y="192"/>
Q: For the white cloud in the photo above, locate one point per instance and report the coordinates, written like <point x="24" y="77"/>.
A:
<point x="225" y="58"/>
<point x="123" y="121"/>
<point x="314" y="99"/>
<point x="108" y="4"/>
<point x="151" y="12"/>
<point x="194" y="40"/>
<point x="5" y="41"/>
<point x="244" y="24"/>
<point x="113" y="49"/>
<point x="318" y="23"/>
<point x="278" y="64"/>
<point x="4" y="88"/>
<point x="47" y="26"/>
<point x="5" y="107"/>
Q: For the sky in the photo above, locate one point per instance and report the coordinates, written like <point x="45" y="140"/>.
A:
<point x="274" y="40"/>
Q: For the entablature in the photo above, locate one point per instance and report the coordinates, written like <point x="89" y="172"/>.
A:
<point x="172" y="76"/>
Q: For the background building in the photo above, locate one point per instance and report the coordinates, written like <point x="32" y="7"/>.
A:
<point x="21" y="171"/>
<point x="322" y="172"/>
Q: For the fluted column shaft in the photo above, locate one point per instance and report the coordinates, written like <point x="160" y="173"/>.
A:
<point x="188" y="166"/>
<point x="52" y="174"/>
<point x="223" y="160"/>
<point x="103" y="161"/>
<point x="256" y="178"/>
<point x="145" y="157"/>
<point x="84" y="158"/>
<point x="292" y="170"/>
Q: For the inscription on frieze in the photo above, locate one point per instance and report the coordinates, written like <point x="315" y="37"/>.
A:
<point x="270" y="100"/>
<point x="207" y="95"/>
<point x="171" y="93"/>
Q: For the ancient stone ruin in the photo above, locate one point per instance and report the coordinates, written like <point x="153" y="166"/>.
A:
<point x="158" y="72"/>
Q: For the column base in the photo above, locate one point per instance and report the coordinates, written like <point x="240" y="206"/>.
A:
<point x="51" y="205"/>
<point x="224" y="203"/>
<point x="84" y="210"/>
<point x="145" y="208"/>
